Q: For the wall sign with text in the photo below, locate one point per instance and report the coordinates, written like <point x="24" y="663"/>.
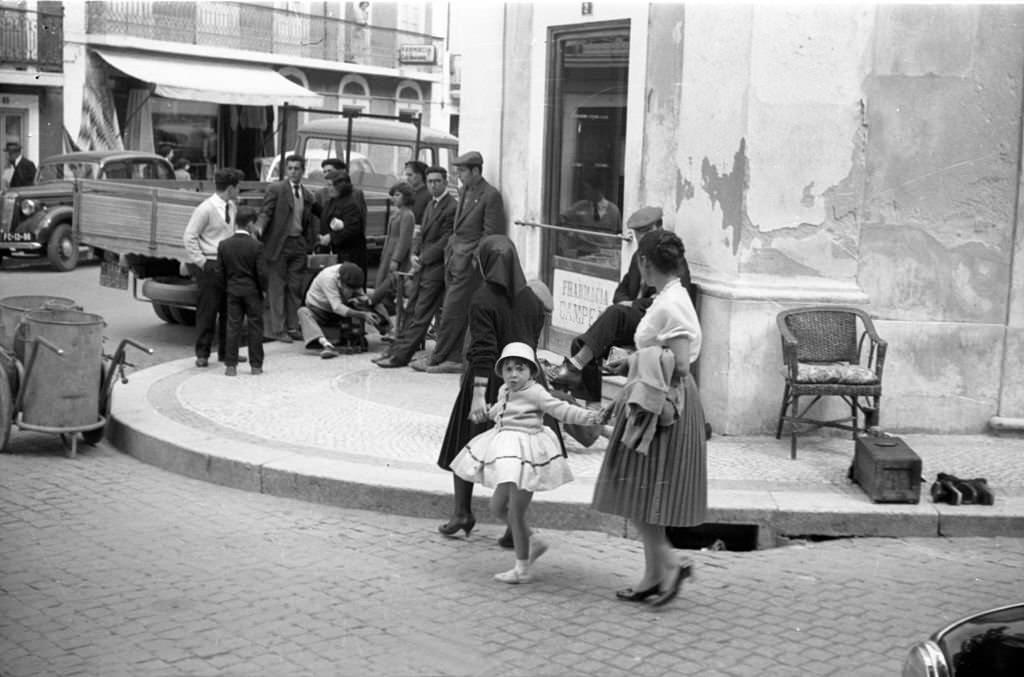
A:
<point x="579" y="299"/>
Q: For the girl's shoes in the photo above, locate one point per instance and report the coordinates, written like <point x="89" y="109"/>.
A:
<point x="514" y="577"/>
<point x="631" y="595"/>
<point x="456" y="524"/>
<point x="681" y="574"/>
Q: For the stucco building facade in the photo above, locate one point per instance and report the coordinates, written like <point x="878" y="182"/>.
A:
<point x="860" y="155"/>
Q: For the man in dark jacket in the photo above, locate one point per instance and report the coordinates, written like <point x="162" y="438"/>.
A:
<point x="243" y="276"/>
<point x="427" y="268"/>
<point x="343" y="220"/>
<point x="23" y="171"/>
<point x="616" y="325"/>
<point x="288" y="231"/>
<point x="480" y="212"/>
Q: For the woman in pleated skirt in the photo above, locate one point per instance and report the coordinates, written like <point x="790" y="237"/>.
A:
<point x="666" y="485"/>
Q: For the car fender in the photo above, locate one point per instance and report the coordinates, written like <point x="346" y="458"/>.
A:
<point x="42" y="223"/>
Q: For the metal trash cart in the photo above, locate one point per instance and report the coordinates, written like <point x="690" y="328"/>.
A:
<point x="50" y="382"/>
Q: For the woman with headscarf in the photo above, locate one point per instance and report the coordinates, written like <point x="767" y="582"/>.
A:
<point x="503" y="309"/>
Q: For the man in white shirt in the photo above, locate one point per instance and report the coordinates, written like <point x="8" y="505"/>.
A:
<point x="212" y="221"/>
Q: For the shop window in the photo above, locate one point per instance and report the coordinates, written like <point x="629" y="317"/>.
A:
<point x="190" y="127"/>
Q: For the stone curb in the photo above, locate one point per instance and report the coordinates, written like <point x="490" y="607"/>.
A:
<point x="137" y="428"/>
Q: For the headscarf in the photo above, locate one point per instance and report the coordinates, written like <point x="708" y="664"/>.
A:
<point x="499" y="264"/>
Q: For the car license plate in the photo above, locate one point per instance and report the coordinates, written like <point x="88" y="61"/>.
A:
<point x="113" y="275"/>
<point x="16" y="237"/>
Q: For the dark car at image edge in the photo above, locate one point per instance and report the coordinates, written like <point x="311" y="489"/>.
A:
<point x="36" y="220"/>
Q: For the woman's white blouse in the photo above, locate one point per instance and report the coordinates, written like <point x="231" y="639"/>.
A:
<point x="671" y="315"/>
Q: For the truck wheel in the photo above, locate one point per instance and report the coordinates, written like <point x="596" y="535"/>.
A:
<point x="62" y="250"/>
<point x="171" y="291"/>
<point x="184" y="316"/>
<point x="164" y="313"/>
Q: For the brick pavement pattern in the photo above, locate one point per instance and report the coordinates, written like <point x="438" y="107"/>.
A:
<point x="112" y="567"/>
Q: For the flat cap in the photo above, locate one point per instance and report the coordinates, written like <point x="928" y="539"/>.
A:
<point x="644" y="217"/>
<point x="351" y="274"/>
<point x="334" y="175"/>
<point x="472" y="158"/>
<point x="12" y="145"/>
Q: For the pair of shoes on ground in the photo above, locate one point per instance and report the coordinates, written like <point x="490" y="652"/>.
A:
<point x="955" y="491"/>
<point x="447" y="367"/>
<point x="538" y="547"/>
<point x="233" y="371"/>
<point x="205" y="361"/>
<point x="661" y="597"/>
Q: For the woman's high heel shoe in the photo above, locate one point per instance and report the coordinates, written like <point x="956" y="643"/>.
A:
<point x="456" y="524"/>
<point x="682" y="573"/>
<point x="631" y="595"/>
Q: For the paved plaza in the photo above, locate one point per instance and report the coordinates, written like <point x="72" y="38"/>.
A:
<point x="113" y="567"/>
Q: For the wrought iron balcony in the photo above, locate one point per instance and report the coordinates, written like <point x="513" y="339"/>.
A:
<point x="265" y="29"/>
<point x="32" y="38"/>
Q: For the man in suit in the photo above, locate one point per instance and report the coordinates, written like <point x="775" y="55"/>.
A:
<point x="243" y="277"/>
<point x="289" y="233"/>
<point x="481" y="212"/>
<point x="427" y="268"/>
<point x="23" y="171"/>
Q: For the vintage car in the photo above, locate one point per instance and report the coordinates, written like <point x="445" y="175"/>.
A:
<point x="37" y="220"/>
<point x="986" y="644"/>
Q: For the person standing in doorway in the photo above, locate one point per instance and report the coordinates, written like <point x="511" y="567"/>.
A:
<point x="288" y="232"/>
<point x="212" y="222"/>
<point x="23" y="170"/>
<point x="481" y="212"/>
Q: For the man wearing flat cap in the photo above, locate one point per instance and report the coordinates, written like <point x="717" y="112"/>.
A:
<point x="331" y="302"/>
<point x="480" y="212"/>
<point x="23" y="171"/>
<point x="343" y="220"/>
<point x="617" y="324"/>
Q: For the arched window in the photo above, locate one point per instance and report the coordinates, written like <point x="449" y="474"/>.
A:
<point x="354" y="92"/>
<point x="408" y="97"/>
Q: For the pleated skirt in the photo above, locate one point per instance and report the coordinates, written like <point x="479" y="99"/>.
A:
<point x="667" y="486"/>
<point x="533" y="461"/>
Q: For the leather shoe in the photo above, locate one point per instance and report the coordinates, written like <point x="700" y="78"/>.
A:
<point x="256" y="371"/>
<point x="202" y="362"/>
<point x="457" y="524"/>
<point x="506" y="540"/>
<point x="231" y="371"/>
<point x="682" y="573"/>
<point x="446" y="367"/>
<point x="420" y="364"/>
<point x="567" y="376"/>
<point x="328" y="353"/>
<point x="631" y="595"/>
<point x="389" y="363"/>
<point x="294" y="335"/>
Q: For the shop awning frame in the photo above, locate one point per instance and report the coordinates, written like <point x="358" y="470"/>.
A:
<point x="212" y="81"/>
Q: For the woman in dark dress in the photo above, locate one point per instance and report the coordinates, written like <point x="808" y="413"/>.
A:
<point x="504" y="309"/>
<point x="347" y="234"/>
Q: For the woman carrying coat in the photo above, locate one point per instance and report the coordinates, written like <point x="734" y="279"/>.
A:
<point x="663" y="483"/>
<point x="502" y="310"/>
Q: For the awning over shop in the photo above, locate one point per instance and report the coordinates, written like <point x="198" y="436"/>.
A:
<point x="216" y="82"/>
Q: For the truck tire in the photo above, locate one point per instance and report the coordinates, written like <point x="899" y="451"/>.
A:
<point x="61" y="249"/>
<point x="184" y="316"/>
<point x="164" y="313"/>
<point x="171" y="291"/>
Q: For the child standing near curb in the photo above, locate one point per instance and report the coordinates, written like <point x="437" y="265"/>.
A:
<point x="520" y="455"/>
<point x="244" y="280"/>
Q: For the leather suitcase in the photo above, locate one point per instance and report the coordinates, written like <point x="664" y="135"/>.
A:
<point x="887" y="469"/>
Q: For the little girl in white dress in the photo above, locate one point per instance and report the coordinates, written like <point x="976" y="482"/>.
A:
<point x="520" y="455"/>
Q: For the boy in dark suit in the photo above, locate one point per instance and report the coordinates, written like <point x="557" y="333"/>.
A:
<point x="243" y="269"/>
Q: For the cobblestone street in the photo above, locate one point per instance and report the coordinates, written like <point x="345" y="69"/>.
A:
<point x="113" y="567"/>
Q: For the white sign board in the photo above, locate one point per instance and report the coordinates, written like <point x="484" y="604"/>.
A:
<point x="425" y="54"/>
<point x="579" y="299"/>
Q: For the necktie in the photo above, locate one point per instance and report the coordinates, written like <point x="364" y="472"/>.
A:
<point x="597" y="213"/>
<point x="295" y="189"/>
<point x="227" y="213"/>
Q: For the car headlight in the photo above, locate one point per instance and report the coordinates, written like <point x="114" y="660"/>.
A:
<point x="925" y="660"/>
<point x="28" y="207"/>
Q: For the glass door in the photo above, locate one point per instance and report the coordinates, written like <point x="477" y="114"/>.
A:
<point x="586" y="129"/>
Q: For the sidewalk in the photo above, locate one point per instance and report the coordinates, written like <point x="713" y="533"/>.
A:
<point x="347" y="433"/>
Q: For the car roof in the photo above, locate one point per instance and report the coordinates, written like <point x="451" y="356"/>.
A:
<point x="382" y="130"/>
<point x="100" y="156"/>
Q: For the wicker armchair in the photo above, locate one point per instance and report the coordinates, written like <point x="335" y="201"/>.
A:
<point x="825" y="356"/>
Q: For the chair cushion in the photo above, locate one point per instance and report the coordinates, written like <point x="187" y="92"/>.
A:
<point x="835" y="372"/>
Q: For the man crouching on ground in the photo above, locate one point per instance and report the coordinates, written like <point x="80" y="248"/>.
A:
<point x="332" y="301"/>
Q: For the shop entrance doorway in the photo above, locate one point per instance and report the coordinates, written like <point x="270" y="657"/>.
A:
<point x="586" y="134"/>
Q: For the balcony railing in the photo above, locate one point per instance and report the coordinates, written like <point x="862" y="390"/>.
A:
<point x="260" y="28"/>
<point x="32" y="39"/>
